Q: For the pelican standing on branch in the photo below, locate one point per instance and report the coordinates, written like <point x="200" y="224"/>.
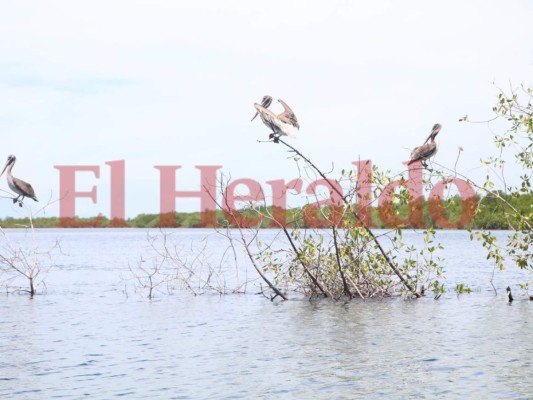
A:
<point x="428" y="149"/>
<point x="282" y="124"/>
<point x="20" y="187"/>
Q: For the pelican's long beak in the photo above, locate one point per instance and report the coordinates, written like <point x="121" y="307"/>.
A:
<point x="4" y="170"/>
<point x="265" y="102"/>
<point x="436" y="129"/>
<point x="259" y="108"/>
<point x="434" y="132"/>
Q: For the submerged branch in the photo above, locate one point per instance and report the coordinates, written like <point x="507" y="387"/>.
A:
<point x="355" y="214"/>
<point x="315" y="280"/>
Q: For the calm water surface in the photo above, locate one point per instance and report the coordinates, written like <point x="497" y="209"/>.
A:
<point x="93" y="336"/>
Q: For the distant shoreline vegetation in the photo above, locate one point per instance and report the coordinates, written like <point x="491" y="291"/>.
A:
<point x="490" y="214"/>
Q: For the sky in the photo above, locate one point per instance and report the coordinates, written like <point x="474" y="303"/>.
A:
<point x="174" y="82"/>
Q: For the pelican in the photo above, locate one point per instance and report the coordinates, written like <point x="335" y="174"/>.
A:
<point x="428" y="149"/>
<point x="281" y="124"/>
<point x="20" y="187"/>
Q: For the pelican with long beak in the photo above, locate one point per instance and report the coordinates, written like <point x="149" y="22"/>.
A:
<point x="282" y="124"/>
<point x="23" y="189"/>
<point x="428" y="149"/>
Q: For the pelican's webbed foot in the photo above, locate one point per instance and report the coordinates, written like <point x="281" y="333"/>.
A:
<point x="274" y="137"/>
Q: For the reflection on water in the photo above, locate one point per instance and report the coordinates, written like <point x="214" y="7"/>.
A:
<point x="89" y="336"/>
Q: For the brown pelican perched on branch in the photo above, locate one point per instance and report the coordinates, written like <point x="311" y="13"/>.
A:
<point x="428" y="149"/>
<point x="282" y="124"/>
<point x="20" y="187"/>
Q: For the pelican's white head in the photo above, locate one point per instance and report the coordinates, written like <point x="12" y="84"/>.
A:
<point x="10" y="161"/>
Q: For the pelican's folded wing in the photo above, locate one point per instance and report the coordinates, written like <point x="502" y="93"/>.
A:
<point x="423" y="152"/>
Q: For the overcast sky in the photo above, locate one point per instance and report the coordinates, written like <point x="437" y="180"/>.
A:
<point x="174" y="82"/>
